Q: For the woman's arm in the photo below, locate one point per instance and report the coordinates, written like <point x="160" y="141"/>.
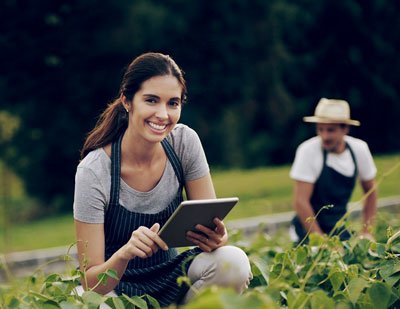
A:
<point x="201" y="188"/>
<point x="91" y="251"/>
<point x="143" y="243"/>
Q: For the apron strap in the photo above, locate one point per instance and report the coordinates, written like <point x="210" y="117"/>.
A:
<point x="115" y="170"/>
<point x="175" y="162"/>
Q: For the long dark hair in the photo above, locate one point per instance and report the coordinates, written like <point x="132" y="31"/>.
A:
<point x="113" y="121"/>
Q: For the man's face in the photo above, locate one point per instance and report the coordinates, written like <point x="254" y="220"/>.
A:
<point x="332" y="136"/>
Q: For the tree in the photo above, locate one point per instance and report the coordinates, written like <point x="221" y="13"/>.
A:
<point x="254" y="69"/>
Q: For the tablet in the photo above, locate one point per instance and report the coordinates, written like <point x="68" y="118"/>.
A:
<point x="193" y="212"/>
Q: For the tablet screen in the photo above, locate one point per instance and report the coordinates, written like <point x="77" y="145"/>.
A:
<point x="193" y="212"/>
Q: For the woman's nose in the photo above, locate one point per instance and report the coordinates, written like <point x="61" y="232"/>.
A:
<point x="162" y="112"/>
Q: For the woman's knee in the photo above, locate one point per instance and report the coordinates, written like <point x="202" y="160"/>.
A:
<point x="233" y="266"/>
<point x="225" y="266"/>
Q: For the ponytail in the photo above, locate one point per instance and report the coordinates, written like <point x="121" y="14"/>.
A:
<point x="111" y="123"/>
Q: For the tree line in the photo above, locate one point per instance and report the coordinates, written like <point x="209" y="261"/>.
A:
<point x="253" y="68"/>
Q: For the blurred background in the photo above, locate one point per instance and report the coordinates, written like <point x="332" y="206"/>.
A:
<point x="253" y="68"/>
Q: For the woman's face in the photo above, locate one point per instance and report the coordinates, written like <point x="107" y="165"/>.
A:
<point x="155" y="108"/>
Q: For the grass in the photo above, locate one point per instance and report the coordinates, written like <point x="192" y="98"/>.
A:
<point x="269" y="190"/>
<point x="44" y="233"/>
<point x="261" y="191"/>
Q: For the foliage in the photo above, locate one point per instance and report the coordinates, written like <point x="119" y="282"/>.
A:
<point x="325" y="273"/>
<point x="328" y="273"/>
<point x="254" y="68"/>
<point x="58" y="291"/>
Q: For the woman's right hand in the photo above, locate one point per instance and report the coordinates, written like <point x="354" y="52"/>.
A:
<point x="144" y="242"/>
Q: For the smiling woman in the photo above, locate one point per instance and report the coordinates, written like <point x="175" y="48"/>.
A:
<point x="135" y="164"/>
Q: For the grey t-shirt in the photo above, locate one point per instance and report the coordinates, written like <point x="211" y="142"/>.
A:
<point x="93" y="179"/>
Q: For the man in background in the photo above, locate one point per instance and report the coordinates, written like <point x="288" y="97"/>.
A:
<point x="325" y="171"/>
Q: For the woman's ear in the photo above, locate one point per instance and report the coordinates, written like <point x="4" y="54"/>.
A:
<point x="125" y="103"/>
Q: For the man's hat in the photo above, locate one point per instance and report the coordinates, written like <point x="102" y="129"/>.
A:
<point x="332" y="111"/>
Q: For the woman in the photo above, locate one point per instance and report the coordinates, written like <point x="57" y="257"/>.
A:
<point x="136" y="162"/>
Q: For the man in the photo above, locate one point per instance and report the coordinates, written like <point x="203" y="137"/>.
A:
<point x="325" y="170"/>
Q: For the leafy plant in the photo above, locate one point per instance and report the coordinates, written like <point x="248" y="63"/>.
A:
<point x="325" y="273"/>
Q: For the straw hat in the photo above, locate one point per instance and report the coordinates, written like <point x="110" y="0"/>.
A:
<point x="332" y="111"/>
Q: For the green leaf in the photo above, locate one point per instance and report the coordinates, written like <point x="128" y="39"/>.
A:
<point x="261" y="266"/>
<point x="301" y="254"/>
<point x="395" y="247"/>
<point x="90" y="297"/>
<point x="390" y="272"/>
<point x="49" y="305"/>
<point x="363" y="245"/>
<point x="72" y="278"/>
<point x="379" y="294"/>
<point x="380" y="249"/>
<point x="70" y="305"/>
<point x="115" y="303"/>
<point x="355" y="288"/>
<point x="336" y="279"/>
<point x="52" y="278"/>
<point x="319" y="300"/>
<point x="183" y="280"/>
<point x="112" y="274"/>
<point x="153" y="302"/>
<point x="109" y="273"/>
<point x="59" y="289"/>
<point x="316" y="240"/>
<point x="343" y="305"/>
<point x="392" y="280"/>
<point x="297" y="298"/>
<point x="207" y="298"/>
<point x="136" y="301"/>
<point x="39" y="296"/>
<point x="13" y="302"/>
<point x="253" y="299"/>
<point x="102" y="277"/>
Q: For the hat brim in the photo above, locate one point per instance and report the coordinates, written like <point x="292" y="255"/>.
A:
<point x="316" y="119"/>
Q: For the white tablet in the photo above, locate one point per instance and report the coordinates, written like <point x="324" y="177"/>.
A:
<point x="193" y="212"/>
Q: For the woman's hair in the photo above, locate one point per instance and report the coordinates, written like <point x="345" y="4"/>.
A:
<point x="114" y="119"/>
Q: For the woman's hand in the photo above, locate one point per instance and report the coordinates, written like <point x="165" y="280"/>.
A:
<point x="209" y="240"/>
<point x="144" y="242"/>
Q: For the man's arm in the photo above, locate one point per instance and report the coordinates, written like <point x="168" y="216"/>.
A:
<point x="369" y="210"/>
<point x="302" y="206"/>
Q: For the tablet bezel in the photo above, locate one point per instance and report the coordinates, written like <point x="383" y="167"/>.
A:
<point x="190" y="213"/>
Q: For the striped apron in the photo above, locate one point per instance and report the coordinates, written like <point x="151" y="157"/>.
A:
<point x="156" y="275"/>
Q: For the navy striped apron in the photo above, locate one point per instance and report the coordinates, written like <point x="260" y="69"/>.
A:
<point x="333" y="188"/>
<point x="156" y="275"/>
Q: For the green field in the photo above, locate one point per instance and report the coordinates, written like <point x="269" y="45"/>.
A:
<point x="269" y="190"/>
<point x="261" y="191"/>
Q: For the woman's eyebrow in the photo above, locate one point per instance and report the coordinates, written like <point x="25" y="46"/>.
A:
<point x="148" y="95"/>
<point x="151" y="95"/>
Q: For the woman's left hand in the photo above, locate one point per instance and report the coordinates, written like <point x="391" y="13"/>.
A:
<point x="209" y="240"/>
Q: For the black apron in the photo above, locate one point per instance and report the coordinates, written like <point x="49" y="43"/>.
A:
<point x="331" y="188"/>
<point x="156" y="275"/>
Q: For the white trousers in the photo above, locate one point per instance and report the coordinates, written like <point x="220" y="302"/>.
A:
<point x="226" y="266"/>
